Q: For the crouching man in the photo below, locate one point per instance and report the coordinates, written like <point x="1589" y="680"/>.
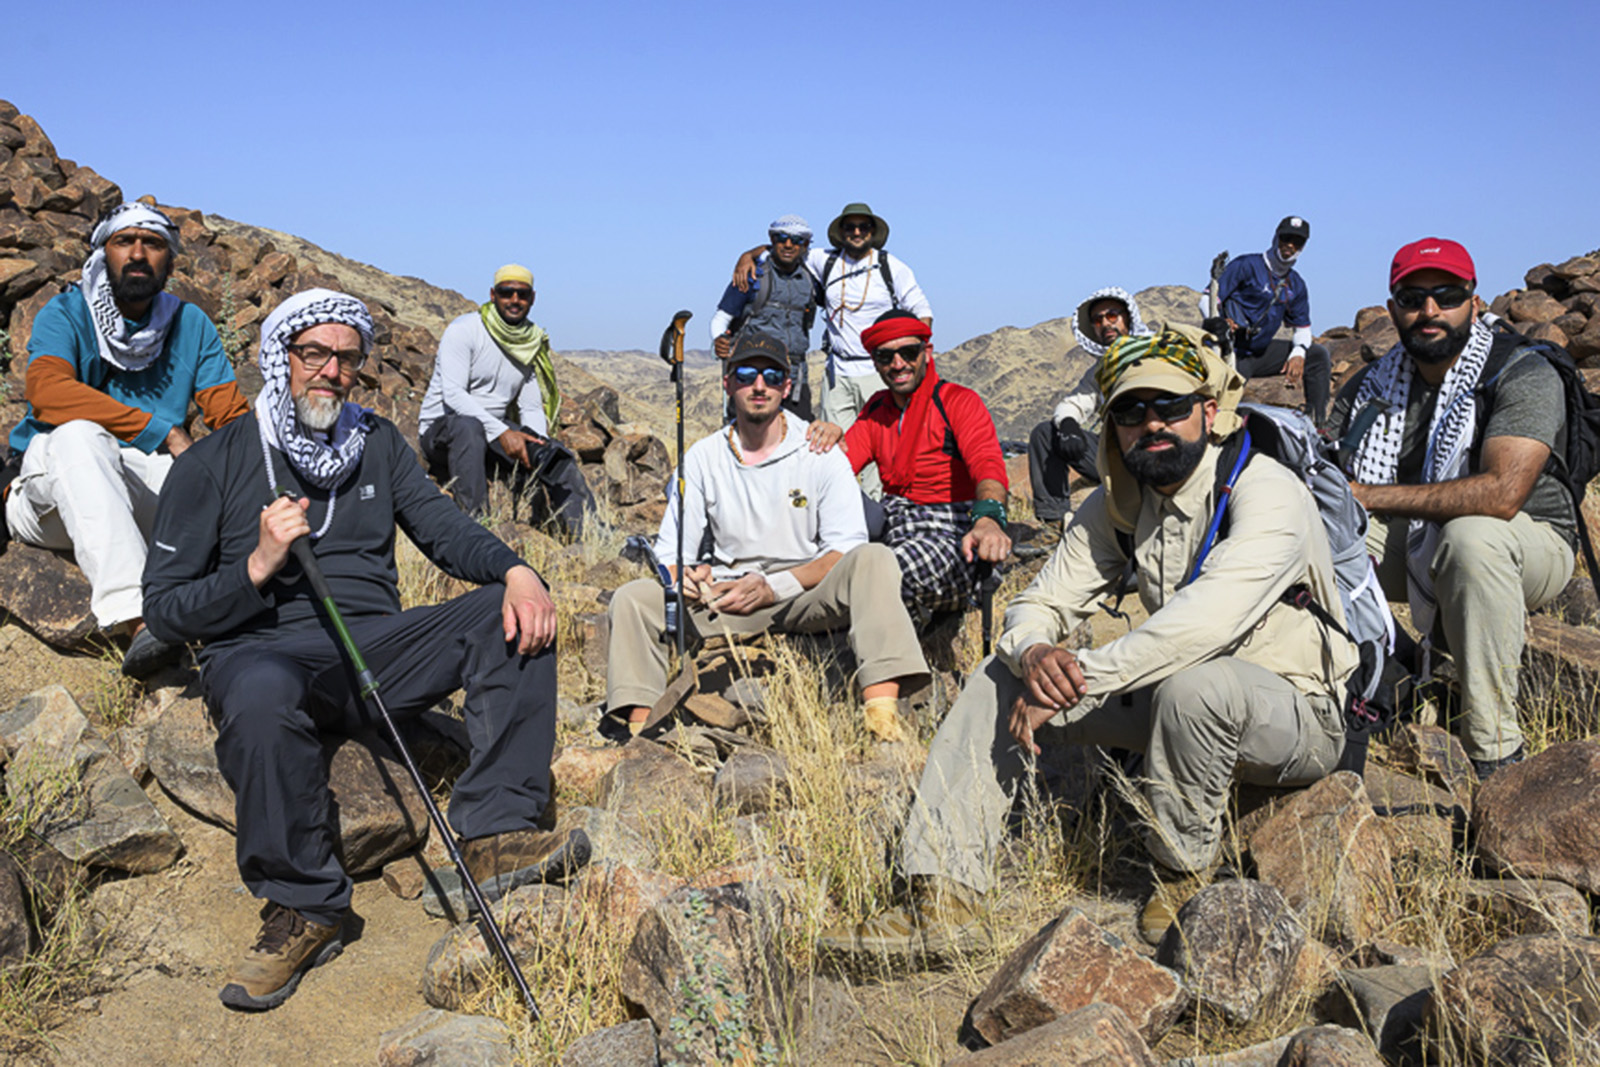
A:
<point x="789" y="552"/>
<point x="273" y="676"/>
<point x="1225" y="681"/>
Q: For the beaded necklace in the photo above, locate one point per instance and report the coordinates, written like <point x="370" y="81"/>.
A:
<point x="733" y="442"/>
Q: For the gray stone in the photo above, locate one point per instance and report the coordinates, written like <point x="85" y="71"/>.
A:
<point x="46" y="592"/>
<point x="1067" y="965"/>
<point x="650" y="783"/>
<point x="631" y="1044"/>
<point x="440" y="1039"/>
<point x="1527" y="1000"/>
<point x="748" y="694"/>
<point x="1324" y="849"/>
<point x="1541" y="818"/>
<point x="1330" y="1046"/>
<point x="1386" y="1002"/>
<point x="752" y="780"/>
<point x="1096" y="1035"/>
<point x="179" y="748"/>
<point x="88" y="806"/>
<point x="707" y="967"/>
<point x="1236" y="944"/>
<point x="1535" y="906"/>
<point x="16" y="934"/>
<point x="460" y="962"/>
<point x="1265" y="1054"/>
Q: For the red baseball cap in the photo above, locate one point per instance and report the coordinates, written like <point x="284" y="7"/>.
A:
<point x="1432" y="253"/>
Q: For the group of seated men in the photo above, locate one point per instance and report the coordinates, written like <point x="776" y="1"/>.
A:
<point x="189" y="542"/>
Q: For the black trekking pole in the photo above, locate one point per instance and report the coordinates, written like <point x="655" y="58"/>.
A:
<point x="369" y="692"/>
<point x="672" y="352"/>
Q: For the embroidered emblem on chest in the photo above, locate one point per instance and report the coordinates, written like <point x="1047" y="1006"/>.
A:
<point x="368" y="492"/>
<point x="797" y="497"/>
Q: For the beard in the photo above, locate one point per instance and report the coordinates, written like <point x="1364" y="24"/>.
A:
<point x="1439" y="350"/>
<point x="1167" y="467"/>
<point x="137" y="284"/>
<point x="318" y="412"/>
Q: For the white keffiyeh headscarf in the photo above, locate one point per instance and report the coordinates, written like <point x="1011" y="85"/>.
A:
<point x="1450" y="433"/>
<point x="124" y="350"/>
<point x="323" y="460"/>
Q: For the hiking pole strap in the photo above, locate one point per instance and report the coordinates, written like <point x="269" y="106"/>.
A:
<point x="369" y="691"/>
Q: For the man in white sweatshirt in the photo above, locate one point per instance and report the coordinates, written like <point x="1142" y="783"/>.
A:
<point x="789" y="552"/>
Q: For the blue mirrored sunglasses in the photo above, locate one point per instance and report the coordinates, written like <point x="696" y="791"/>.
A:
<point x="747" y="375"/>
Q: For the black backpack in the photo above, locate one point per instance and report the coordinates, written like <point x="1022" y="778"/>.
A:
<point x="1581" y="460"/>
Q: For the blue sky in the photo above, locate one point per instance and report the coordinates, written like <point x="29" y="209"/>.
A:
<point x="1023" y="154"/>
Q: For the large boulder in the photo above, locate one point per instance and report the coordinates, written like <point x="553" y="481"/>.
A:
<point x="1236" y="943"/>
<point x="651" y="783"/>
<point x="1541" y="818"/>
<point x="47" y="593"/>
<point x="1070" y="964"/>
<point x="87" y="805"/>
<point x="1527" y="1000"/>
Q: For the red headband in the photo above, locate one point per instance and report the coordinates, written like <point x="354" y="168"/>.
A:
<point x="880" y="333"/>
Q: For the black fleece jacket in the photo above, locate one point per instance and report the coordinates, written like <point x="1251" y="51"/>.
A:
<point x="196" y="579"/>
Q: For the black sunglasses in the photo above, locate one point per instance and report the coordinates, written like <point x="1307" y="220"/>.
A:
<point x="1130" y="411"/>
<point x="1412" y="297"/>
<point x="509" y="291"/>
<point x="788" y="239"/>
<point x="885" y="357"/>
<point x="858" y="227"/>
<point x="747" y="375"/>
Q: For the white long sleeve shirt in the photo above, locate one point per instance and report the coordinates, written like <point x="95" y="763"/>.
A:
<point x="473" y="376"/>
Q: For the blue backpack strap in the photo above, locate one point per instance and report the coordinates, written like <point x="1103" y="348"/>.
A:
<point x="1224" y="494"/>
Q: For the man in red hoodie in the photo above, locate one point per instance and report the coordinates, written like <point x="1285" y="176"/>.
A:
<point x="944" y="477"/>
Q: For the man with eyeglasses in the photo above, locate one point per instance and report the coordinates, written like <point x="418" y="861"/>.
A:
<point x="1068" y="440"/>
<point x="780" y="302"/>
<point x="1449" y="436"/>
<point x="113" y="364"/>
<point x="934" y="445"/>
<point x="1225" y="681"/>
<point x="788" y="552"/>
<point x="858" y="281"/>
<point x="307" y="463"/>
<point x="1260" y="294"/>
<point x="491" y="405"/>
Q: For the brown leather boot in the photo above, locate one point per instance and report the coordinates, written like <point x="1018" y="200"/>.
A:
<point x="501" y="862"/>
<point x="940" y="921"/>
<point x="1171" y="892"/>
<point x="287" y="947"/>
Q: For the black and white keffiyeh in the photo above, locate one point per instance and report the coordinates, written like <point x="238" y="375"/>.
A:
<point x="323" y="460"/>
<point x="127" y="351"/>
<point x="1455" y="419"/>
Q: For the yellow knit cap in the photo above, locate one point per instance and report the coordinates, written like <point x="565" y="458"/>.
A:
<point x="514" y="272"/>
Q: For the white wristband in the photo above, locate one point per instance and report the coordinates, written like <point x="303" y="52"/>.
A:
<point x="784" y="585"/>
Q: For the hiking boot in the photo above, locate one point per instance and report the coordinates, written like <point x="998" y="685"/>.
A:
<point x="500" y="863"/>
<point x="1170" y="893"/>
<point x="147" y="654"/>
<point x="941" y="921"/>
<point x="287" y="947"/>
<point x="1486" y="767"/>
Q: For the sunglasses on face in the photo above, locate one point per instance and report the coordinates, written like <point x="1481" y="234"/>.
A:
<point x="1130" y="411"/>
<point x="513" y="292"/>
<point x="747" y="375"/>
<point x="788" y="239"/>
<point x="315" y="357"/>
<point x="885" y="357"/>
<point x="858" y="227"/>
<point x="1412" y="297"/>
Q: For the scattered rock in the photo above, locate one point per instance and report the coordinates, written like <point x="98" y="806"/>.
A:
<point x="1527" y="1000"/>
<point x="1067" y="965"/>
<point x="631" y="1044"/>
<point x="1094" y="1035"/>
<point x="1236" y="944"/>
<point x="1387" y="1002"/>
<point x="650" y="783"/>
<point x="461" y="961"/>
<point x="407" y="876"/>
<point x="752" y="780"/>
<point x="16" y="935"/>
<point x="578" y="769"/>
<point x="1325" y="851"/>
<point x="440" y="1039"/>
<point x="1533" y="906"/>
<point x="707" y="967"/>
<point x="622" y="893"/>
<point x="1433" y="754"/>
<point x="1330" y="1046"/>
<point x="89" y="808"/>
<point x="46" y="591"/>
<point x="1541" y="818"/>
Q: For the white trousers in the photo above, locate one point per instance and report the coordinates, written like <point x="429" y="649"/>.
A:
<point x="82" y="489"/>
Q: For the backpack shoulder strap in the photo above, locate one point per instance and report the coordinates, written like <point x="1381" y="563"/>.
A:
<point x="888" y="279"/>
<point x="827" y="272"/>
<point x="1230" y="464"/>
<point x="952" y="447"/>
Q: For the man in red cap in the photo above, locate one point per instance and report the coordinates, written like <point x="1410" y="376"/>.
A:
<point x="944" y="477"/>
<point x="1448" y="436"/>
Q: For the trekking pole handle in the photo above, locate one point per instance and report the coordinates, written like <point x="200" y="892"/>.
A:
<point x="300" y="548"/>
<point x="672" y="338"/>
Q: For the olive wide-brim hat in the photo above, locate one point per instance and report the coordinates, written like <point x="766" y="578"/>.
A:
<point x="880" y="229"/>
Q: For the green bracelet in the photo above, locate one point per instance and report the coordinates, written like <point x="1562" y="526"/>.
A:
<point x="989" y="509"/>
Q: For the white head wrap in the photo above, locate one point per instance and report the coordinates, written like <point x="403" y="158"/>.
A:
<point x="1081" y="327"/>
<point x="127" y="351"/>
<point x="792" y="226"/>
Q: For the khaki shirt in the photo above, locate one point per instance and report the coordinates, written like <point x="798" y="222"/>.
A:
<point x="1275" y="541"/>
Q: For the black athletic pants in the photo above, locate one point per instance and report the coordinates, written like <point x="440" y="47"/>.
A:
<point x="273" y="702"/>
<point x="455" y="447"/>
<point x="1049" y="473"/>
<point x="1318" y="373"/>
